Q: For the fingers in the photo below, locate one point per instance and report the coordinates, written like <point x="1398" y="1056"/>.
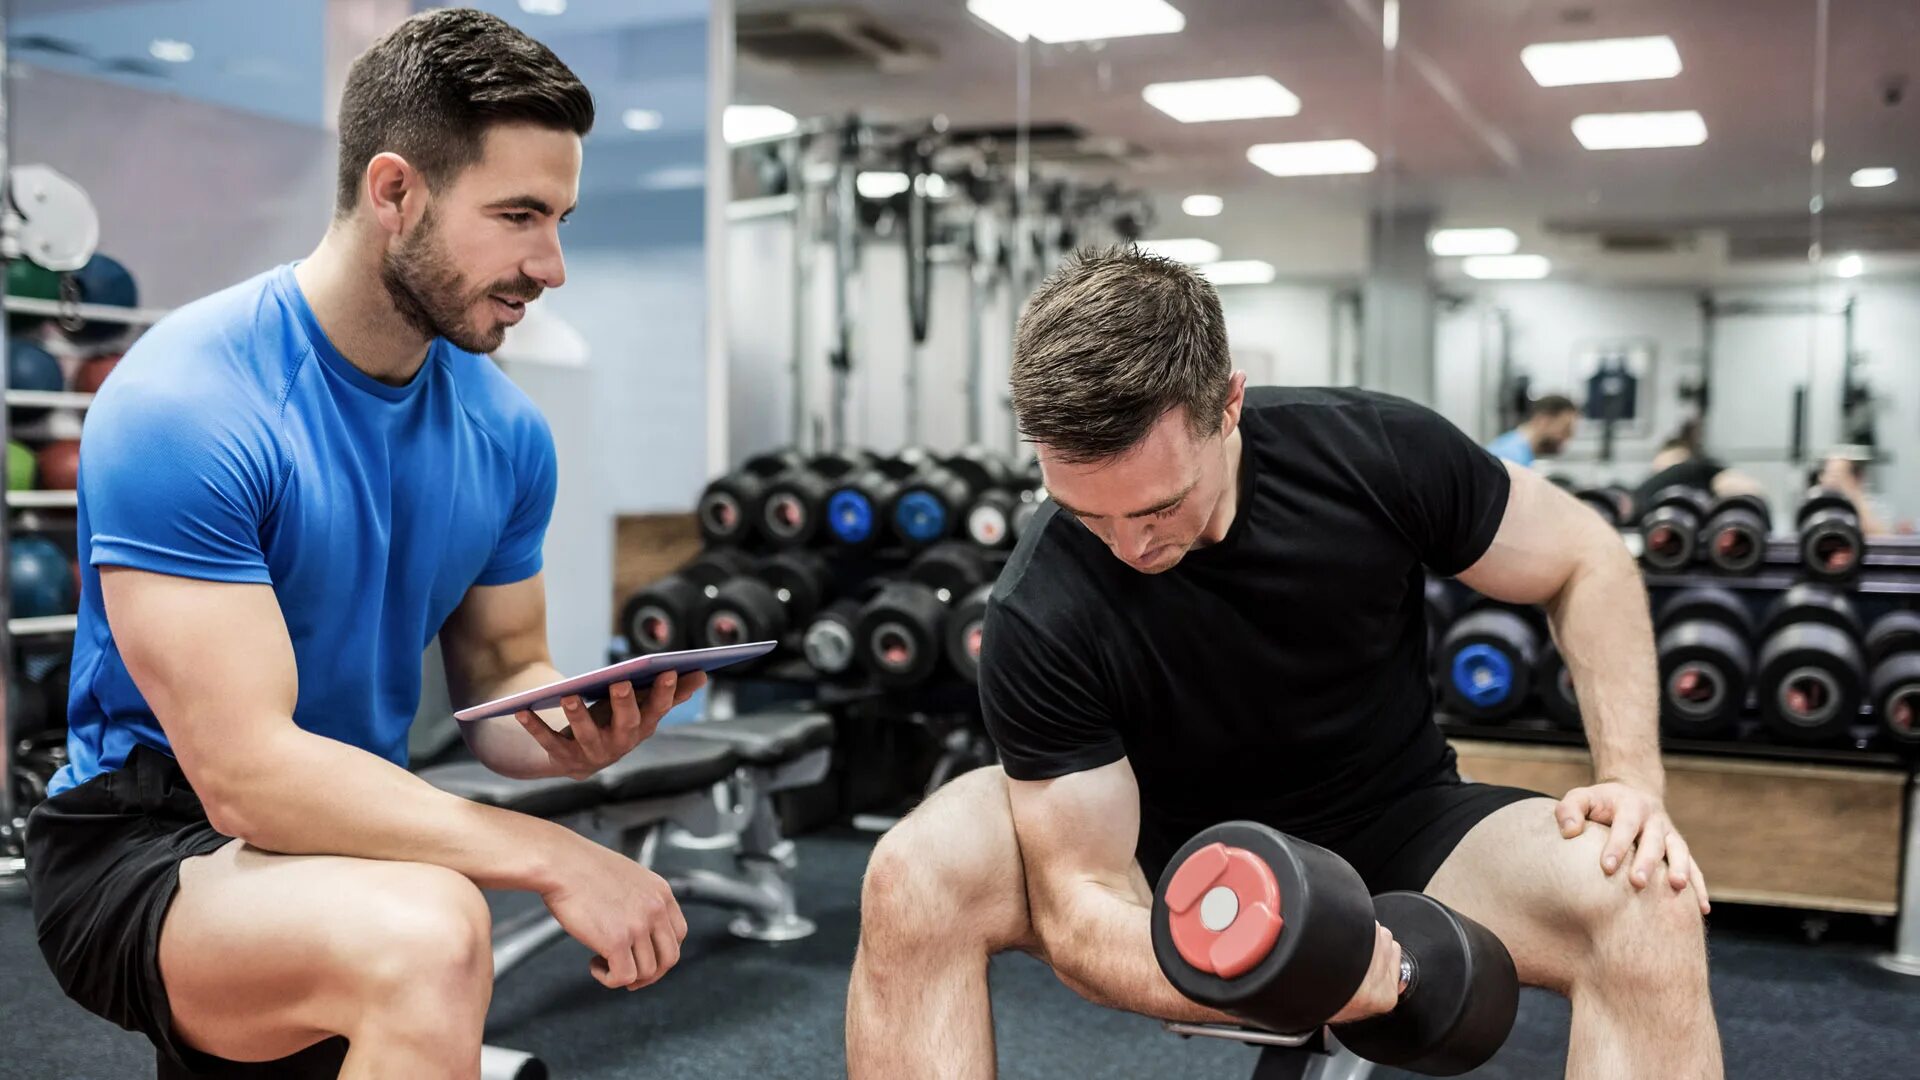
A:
<point x="557" y="747"/>
<point x="666" y="953"/>
<point x="1699" y="881"/>
<point x="1626" y="827"/>
<point x="585" y="730"/>
<point x="1651" y="850"/>
<point x="678" y="919"/>
<point x="1573" y="810"/>
<point x="617" y="970"/>
<point x="625" y="728"/>
<point x="690" y="684"/>
<point x="1679" y="860"/>
<point x="659" y="701"/>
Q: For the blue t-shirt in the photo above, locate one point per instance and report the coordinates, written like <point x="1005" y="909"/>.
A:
<point x="1512" y="446"/>
<point x="234" y="443"/>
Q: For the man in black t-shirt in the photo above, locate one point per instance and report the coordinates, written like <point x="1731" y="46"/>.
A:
<point x="1221" y="617"/>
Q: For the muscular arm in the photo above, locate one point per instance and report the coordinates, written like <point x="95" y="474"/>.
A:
<point x="495" y="644"/>
<point x="215" y="663"/>
<point x="1552" y="550"/>
<point x="1088" y="905"/>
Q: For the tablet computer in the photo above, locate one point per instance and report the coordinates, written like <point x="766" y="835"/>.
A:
<point x="640" y="671"/>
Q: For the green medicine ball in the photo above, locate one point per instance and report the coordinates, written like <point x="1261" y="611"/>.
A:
<point x="20" y="467"/>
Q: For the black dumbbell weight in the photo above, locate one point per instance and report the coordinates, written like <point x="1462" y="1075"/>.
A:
<point x="990" y="518"/>
<point x="966" y="631"/>
<point x="662" y="617"/>
<point x="1280" y="933"/>
<point x="930" y="507"/>
<point x="1704" y="640"/>
<point x="1032" y="501"/>
<point x="727" y="507"/>
<point x="900" y="635"/>
<point x="1811" y="670"/>
<point x="1604" y="503"/>
<point x="1832" y="545"/>
<point x="857" y="506"/>
<point x="780" y="596"/>
<point x="1670" y="529"/>
<point x="1554" y="683"/>
<point x="1735" y="535"/>
<point x="794" y="506"/>
<point x="1893" y="691"/>
<point x="1486" y="662"/>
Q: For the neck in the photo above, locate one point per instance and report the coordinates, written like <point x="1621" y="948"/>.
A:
<point x="1223" y="513"/>
<point x="341" y="282"/>
<point x="1531" y="434"/>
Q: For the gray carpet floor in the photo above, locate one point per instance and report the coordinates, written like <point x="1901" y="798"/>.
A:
<point x="1788" y="1009"/>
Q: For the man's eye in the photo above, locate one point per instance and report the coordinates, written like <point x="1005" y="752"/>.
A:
<point x="1168" y="512"/>
<point x="518" y="218"/>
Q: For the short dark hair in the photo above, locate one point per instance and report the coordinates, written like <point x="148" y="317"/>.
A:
<point x="1551" y="405"/>
<point x="429" y="90"/>
<point x="1111" y="342"/>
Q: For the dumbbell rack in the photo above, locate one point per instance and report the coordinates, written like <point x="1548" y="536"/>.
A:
<point x="28" y="511"/>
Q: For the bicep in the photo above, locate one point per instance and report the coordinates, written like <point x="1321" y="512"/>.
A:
<point x="496" y="631"/>
<point x="1545" y="535"/>
<point x="1077" y="829"/>
<point x="212" y="659"/>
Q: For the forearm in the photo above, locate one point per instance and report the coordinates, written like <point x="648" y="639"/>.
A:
<point x="1601" y="625"/>
<point x="1099" y="941"/>
<point x="501" y="743"/>
<point x="302" y="794"/>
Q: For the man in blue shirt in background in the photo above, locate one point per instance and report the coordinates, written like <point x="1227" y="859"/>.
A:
<point x="288" y="489"/>
<point x="1545" y="432"/>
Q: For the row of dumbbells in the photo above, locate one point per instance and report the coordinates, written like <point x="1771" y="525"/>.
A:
<point x="1683" y="526"/>
<point x="1807" y="665"/>
<point x="902" y="631"/>
<point x="855" y="501"/>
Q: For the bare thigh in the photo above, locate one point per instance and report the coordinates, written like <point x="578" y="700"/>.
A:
<point x="263" y="955"/>
<point x="1539" y="891"/>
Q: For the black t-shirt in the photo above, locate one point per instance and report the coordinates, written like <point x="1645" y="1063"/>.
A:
<point x="1279" y="675"/>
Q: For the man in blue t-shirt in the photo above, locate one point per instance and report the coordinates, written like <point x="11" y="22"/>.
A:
<point x="1544" y="433"/>
<point x="288" y="489"/>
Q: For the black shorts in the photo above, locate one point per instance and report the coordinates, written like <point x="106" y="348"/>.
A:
<point x="103" y="861"/>
<point x="1400" y="847"/>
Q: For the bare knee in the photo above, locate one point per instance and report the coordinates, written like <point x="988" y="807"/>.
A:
<point x="948" y="874"/>
<point x="1641" y="937"/>
<point x="428" y="939"/>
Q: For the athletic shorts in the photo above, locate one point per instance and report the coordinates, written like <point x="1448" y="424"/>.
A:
<point x="1399" y="847"/>
<point x="103" y="861"/>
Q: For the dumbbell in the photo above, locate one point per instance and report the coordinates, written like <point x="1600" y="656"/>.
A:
<point x="1486" y="662"/>
<point x="1032" y="501"/>
<point x="1280" y="933"/>
<point x="1735" y="535"/>
<point x="857" y="506"/>
<point x="728" y="506"/>
<point x="966" y="626"/>
<point x="989" y="520"/>
<point x="1613" y="503"/>
<point x="899" y="636"/>
<point x="661" y="617"/>
<point x="929" y="507"/>
<point x="1706" y="662"/>
<point x="1811" y="671"/>
<point x="795" y="503"/>
<point x="1670" y="529"/>
<point x="778" y="596"/>
<point x="1831" y="542"/>
<point x="1893" y="648"/>
<point x="1555" y="683"/>
<point x="828" y="641"/>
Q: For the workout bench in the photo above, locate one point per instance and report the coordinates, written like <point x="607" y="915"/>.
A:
<point x="1315" y="1055"/>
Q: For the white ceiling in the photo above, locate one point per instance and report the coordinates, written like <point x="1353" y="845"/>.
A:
<point x="1463" y="131"/>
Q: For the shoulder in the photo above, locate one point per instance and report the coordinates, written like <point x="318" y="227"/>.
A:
<point x="495" y="404"/>
<point x="1055" y="577"/>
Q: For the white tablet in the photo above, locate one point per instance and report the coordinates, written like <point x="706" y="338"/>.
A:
<point x="640" y="671"/>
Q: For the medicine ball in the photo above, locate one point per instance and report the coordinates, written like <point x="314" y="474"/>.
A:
<point x="20" y="467"/>
<point x="104" y="281"/>
<point x="59" y="463"/>
<point x="41" y="578"/>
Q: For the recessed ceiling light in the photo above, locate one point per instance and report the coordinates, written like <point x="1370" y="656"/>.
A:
<point x="1638" y="131"/>
<point x="745" y="123"/>
<point x="1238" y="272"/>
<point x="1850" y="266"/>
<point x="1202" y="100"/>
<point x="544" y="7"/>
<point x="1575" y="63"/>
<point x="1203" y="205"/>
<point x="1055" y="21"/>
<point x="1506" y="267"/>
<point x="1450" y="242"/>
<point x="642" y="120"/>
<point x="1325" y="158"/>
<point x="1188" y="250"/>
<point x="1875" y="177"/>
<point x="173" y="52"/>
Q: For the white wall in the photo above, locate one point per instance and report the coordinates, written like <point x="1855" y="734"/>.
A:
<point x="1281" y="334"/>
